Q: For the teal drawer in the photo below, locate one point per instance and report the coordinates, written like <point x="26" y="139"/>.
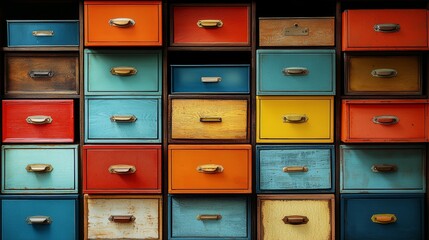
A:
<point x="382" y="169"/>
<point x="123" y="119"/>
<point x="295" y="72"/>
<point x="39" y="169"/>
<point x="123" y="72"/>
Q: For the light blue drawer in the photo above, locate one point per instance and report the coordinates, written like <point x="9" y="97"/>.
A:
<point x="208" y="217"/>
<point x="295" y="72"/>
<point x="292" y="168"/>
<point x="123" y="119"/>
<point x="123" y="72"/>
<point x="39" y="169"/>
<point x="210" y="79"/>
<point x="382" y="169"/>
<point x="34" y="33"/>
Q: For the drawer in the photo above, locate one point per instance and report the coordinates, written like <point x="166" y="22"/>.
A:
<point x="300" y="31"/>
<point x="295" y="72"/>
<point x="385" y="29"/>
<point x="212" y="168"/>
<point x="286" y="168"/>
<point x="121" y="168"/>
<point x="128" y="23"/>
<point x="296" y="216"/>
<point x="123" y="72"/>
<point x="383" y="75"/>
<point x="205" y="119"/>
<point x="384" y="121"/>
<point x="294" y="119"/>
<point x="210" y="79"/>
<point x="39" y="169"/>
<point x="122" y="119"/>
<point x="209" y="217"/>
<point x="375" y="216"/>
<point x="41" y="74"/>
<point x="40" y="217"/>
<point x="38" y="121"/>
<point x="210" y="25"/>
<point x="122" y="217"/>
<point x="34" y="33"/>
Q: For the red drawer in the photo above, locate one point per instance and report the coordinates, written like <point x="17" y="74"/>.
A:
<point x="121" y="168"/>
<point x="37" y="121"/>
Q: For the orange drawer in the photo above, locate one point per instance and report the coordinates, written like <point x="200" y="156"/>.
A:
<point x="384" y="121"/>
<point x="123" y="23"/>
<point x="209" y="168"/>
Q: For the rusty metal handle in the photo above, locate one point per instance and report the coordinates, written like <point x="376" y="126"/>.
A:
<point x="384" y="168"/>
<point x="295" y="220"/>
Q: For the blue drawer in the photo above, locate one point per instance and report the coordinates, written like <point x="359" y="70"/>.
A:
<point x="33" y="33"/>
<point x="210" y="79"/>
<point x="39" y="169"/>
<point x="383" y="169"/>
<point x="292" y="168"/>
<point x="123" y="119"/>
<point x="123" y="72"/>
<point x="365" y="216"/>
<point x="40" y="217"/>
<point x="295" y="72"/>
<point x="208" y="217"/>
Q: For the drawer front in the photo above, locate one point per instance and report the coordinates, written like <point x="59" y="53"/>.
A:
<point x="213" y="168"/>
<point x="38" y="121"/>
<point x="125" y="168"/>
<point x="42" y="33"/>
<point x="39" y="169"/>
<point x="296" y="32"/>
<point x="123" y="119"/>
<point x="384" y="121"/>
<point x="209" y="217"/>
<point x="388" y="29"/>
<point x="123" y="217"/>
<point x="123" y="72"/>
<point x="289" y="168"/>
<point x="130" y="23"/>
<point x="296" y="72"/>
<point x="383" y="75"/>
<point x="377" y="169"/>
<point x="210" y="79"/>
<point x="294" y="119"/>
<point x="41" y="74"/>
<point x="194" y="25"/>
<point x="373" y="216"/>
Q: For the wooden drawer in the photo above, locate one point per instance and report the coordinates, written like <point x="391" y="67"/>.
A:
<point x="122" y="119"/>
<point x="385" y="29"/>
<point x="210" y="79"/>
<point x="40" y="217"/>
<point x="34" y="33"/>
<point x="295" y="72"/>
<point x="210" y="25"/>
<point x="41" y="75"/>
<point x="296" y="217"/>
<point x="288" y="168"/>
<point x="123" y="23"/>
<point x="383" y="75"/>
<point x="301" y="31"/>
<point x="384" y="121"/>
<point x="37" y="121"/>
<point x="212" y="168"/>
<point x="375" y="216"/>
<point x="122" y="217"/>
<point x="382" y="169"/>
<point x="209" y="217"/>
<point x="205" y="119"/>
<point x="123" y="72"/>
<point x="294" y="119"/>
<point x="121" y="168"/>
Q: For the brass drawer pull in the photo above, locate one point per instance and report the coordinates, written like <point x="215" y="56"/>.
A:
<point x="384" y="218"/>
<point x="210" y="168"/>
<point x="43" y="33"/>
<point x="123" y="119"/>
<point x="39" y="168"/>
<point x="211" y="79"/>
<point x="387" y="27"/>
<point x="295" y="118"/>
<point x="210" y="119"/>
<point x="123" y="71"/>
<point x="122" y="22"/>
<point x="296" y="71"/>
<point x="384" y="168"/>
<point x="41" y="74"/>
<point x="122" y="218"/>
<point x="295" y="169"/>
<point x="207" y="23"/>
<point x="295" y="220"/>
<point x="384" y="73"/>
<point x="209" y="217"/>
<point x="39" y="220"/>
<point x="122" y="169"/>
<point x="39" y="119"/>
<point x="385" y="120"/>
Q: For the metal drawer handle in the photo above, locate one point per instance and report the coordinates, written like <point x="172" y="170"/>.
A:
<point x="295" y="169"/>
<point x="210" y="168"/>
<point x="39" y="220"/>
<point x="41" y="74"/>
<point x="295" y="220"/>
<point x="387" y="27"/>
<point x="122" y="169"/>
<point x="209" y="217"/>
<point x="384" y="73"/>
<point x="384" y="218"/>
<point x="123" y="118"/>
<point x="296" y="71"/>
<point x="295" y="118"/>
<point x="43" y="33"/>
<point x="385" y="120"/>
<point x="39" y="119"/>
<point x="384" y="168"/>
<point x="123" y="71"/>
<point x="39" y="168"/>
<point x="210" y="119"/>
<point x="209" y="23"/>
<point x="122" y="22"/>
<point x="211" y="79"/>
<point x="122" y="218"/>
